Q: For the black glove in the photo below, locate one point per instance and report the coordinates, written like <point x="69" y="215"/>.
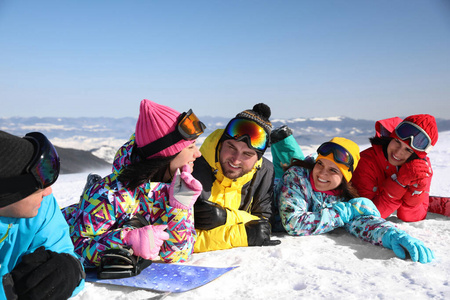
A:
<point x="279" y="134"/>
<point x="208" y="215"/>
<point x="258" y="233"/>
<point x="45" y="274"/>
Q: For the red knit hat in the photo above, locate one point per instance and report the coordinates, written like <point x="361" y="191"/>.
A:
<point x="155" y="121"/>
<point x="427" y="123"/>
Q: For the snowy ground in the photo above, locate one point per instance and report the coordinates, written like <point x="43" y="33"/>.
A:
<point x="330" y="266"/>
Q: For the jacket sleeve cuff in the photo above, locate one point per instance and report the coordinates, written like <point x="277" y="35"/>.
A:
<point x="8" y="287"/>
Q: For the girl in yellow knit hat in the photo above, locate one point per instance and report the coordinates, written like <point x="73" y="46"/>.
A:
<point x="315" y="196"/>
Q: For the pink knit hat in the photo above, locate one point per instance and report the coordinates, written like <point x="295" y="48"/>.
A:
<point x="155" y="121"/>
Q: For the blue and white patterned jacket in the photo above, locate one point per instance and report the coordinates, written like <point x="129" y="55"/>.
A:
<point x="304" y="211"/>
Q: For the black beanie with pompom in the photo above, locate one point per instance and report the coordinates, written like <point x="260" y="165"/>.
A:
<point x="260" y="114"/>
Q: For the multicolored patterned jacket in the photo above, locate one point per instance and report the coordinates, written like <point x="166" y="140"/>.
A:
<point x="98" y="221"/>
<point x="304" y="211"/>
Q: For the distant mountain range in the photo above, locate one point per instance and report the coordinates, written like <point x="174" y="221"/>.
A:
<point x="78" y="161"/>
<point x="94" y="138"/>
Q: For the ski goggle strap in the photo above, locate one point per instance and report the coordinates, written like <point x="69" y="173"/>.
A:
<point x="239" y="129"/>
<point x="41" y="172"/>
<point x="189" y="128"/>
<point x="340" y="154"/>
<point x="420" y="140"/>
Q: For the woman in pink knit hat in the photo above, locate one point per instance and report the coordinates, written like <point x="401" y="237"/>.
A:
<point x="396" y="171"/>
<point x="145" y="205"/>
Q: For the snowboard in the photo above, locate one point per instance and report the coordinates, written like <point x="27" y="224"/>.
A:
<point x="160" y="277"/>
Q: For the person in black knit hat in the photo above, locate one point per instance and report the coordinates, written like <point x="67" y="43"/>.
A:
<point x="37" y="256"/>
<point x="235" y="207"/>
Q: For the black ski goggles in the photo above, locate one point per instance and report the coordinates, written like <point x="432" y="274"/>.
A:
<point x="340" y="154"/>
<point x="45" y="164"/>
<point x="189" y="128"/>
<point x="420" y="140"/>
<point x="240" y="129"/>
<point x="41" y="172"/>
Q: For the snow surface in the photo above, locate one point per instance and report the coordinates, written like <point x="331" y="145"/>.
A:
<point x="329" y="266"/>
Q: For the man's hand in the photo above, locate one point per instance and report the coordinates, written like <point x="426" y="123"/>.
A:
<point x="258" y="233"/>
<point x="209" y="215"/>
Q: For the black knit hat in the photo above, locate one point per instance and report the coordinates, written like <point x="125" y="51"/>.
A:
<point x="15" y="155"/>
<point x="260" y="114"/>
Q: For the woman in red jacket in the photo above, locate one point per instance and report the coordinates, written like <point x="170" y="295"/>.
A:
<point x="396" y="172"/>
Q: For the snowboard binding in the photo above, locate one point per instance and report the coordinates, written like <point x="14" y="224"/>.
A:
<point x="120" y="263"/>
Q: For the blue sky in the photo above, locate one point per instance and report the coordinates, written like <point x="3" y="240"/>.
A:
<point x="311" y="58"/>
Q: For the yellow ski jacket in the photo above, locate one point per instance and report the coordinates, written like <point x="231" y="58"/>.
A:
<point x="246" y="198"/>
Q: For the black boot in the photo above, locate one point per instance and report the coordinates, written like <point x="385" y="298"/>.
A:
<point x="90" y="181"/>
<point x="280" y="134"/>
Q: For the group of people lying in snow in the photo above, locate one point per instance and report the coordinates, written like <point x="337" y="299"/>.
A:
<point x="167" y="199"/>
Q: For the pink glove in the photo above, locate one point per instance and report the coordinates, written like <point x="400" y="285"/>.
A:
<point x="414" y="171"/>
<point x="146" y="241"/>
<point x="184" y="189"/>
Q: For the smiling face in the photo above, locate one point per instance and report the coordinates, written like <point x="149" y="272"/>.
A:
<point x="27" y="207"/>
<point x="236" y="158"/>
<point x="186" y="156"/>
<point x="398" y="152"/>
<point x="326" y="175"/>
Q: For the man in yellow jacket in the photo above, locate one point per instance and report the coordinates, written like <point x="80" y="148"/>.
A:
<point x="235" y="206"/>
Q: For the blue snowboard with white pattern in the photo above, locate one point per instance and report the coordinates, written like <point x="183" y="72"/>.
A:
<point x="162" y="277"/>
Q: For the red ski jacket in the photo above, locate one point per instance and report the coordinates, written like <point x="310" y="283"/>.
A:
<point x="372" y="179"/>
